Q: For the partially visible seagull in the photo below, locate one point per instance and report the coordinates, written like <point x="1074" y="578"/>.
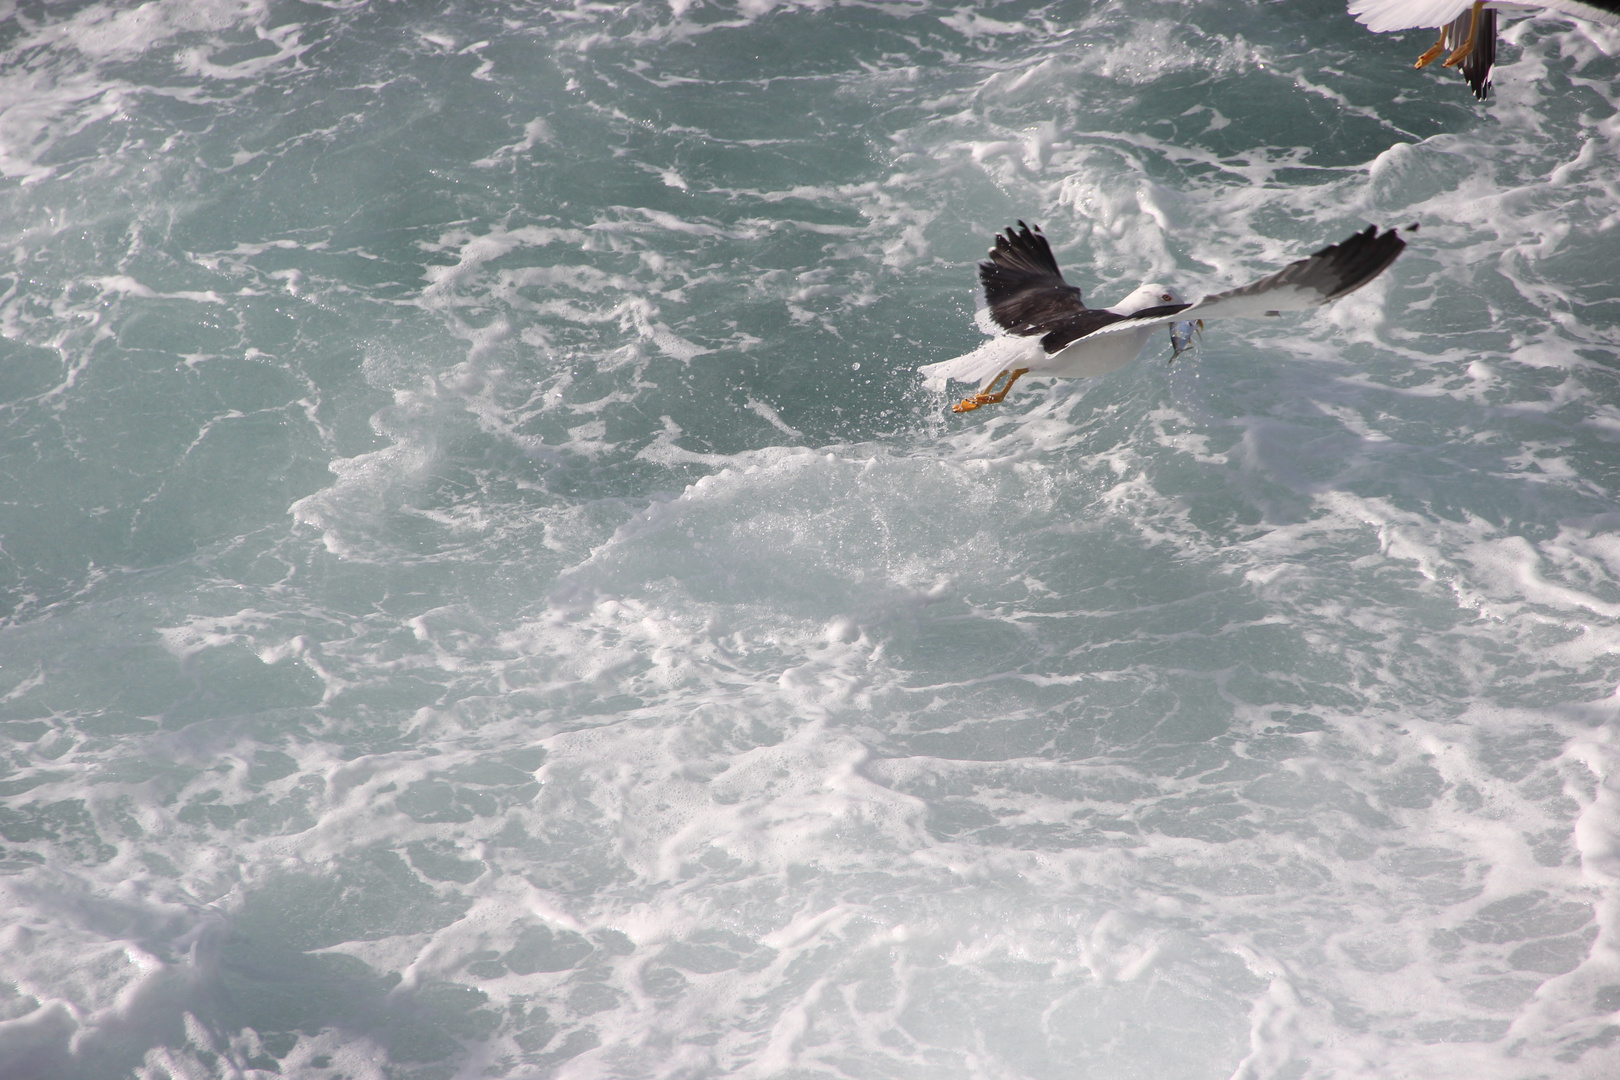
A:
<point x="1468" y="29"/>
<point x="1051" y="332"/>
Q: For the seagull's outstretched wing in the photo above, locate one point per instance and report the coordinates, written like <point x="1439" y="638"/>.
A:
<point x="1023" y="285"/>
<point x="1382" y="16"/>
<point x="1335" y="271"/>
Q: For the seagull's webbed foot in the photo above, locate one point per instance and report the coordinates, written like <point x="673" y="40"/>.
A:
<point x="989" y="396"/>
<point x="968" y="404"/>
<point x="1461" y="52"/>
<point x="1434" y="51"/>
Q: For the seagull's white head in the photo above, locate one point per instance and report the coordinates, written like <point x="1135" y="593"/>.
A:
<point x="1150" y="295"/>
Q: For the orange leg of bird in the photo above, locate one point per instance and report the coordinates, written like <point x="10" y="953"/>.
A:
<point x="995" y="399"/>
<point x="1434" y="51"/>
<point x="968" y="404"/>
<point x="989" y="395"/>
<point x="1466" y="47"/>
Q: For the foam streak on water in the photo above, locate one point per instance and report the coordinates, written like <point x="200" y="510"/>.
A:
<point x="486" y="592"/>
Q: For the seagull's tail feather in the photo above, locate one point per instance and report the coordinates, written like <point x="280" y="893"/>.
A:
<point x="982" y="364"/>
<point x="1476" y="66"/>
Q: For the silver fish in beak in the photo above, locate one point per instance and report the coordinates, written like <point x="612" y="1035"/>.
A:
<point x="1181" y="336"/>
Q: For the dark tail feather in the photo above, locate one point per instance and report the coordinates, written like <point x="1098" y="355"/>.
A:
<point x="1476" y="66"/>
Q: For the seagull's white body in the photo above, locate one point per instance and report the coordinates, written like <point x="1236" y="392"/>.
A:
<point x="1088" y="359"/>
<point x="1098" y="354"/>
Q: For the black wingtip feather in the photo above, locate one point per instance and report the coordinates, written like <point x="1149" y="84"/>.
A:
<point x="1337" y="270"/>
<point x="1022" y="252"/>
<point x="1023" y="285"/>
<point x="1350" y="264"/>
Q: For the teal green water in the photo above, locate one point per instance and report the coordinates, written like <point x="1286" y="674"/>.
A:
<point x="486" y="592"/>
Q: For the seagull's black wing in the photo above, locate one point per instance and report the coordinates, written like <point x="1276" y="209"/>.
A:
<point x="1023" y="285"/>
<point x="1337" y="270"/>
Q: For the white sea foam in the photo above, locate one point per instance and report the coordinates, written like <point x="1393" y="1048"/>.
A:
<point x="478" y="605"/>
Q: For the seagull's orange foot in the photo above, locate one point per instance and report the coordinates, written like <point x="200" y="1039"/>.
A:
<point x="985" y="397"/>
<point x="1434" y="52"/>
<point x="996" y="398"/>
<point x="1460" y="55"/>
<point x="1461" y="52"/>
<point x="989" y="395"/>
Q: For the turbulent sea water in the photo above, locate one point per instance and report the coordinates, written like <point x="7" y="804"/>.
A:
<point x="486" y="593"/>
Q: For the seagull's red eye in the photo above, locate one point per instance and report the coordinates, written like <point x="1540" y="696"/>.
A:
<point x="1165" y="297"/>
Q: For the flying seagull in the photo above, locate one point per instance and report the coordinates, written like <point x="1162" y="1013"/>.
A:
<point x="1468" y="30"/>
<point x="1051" y="332"/>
